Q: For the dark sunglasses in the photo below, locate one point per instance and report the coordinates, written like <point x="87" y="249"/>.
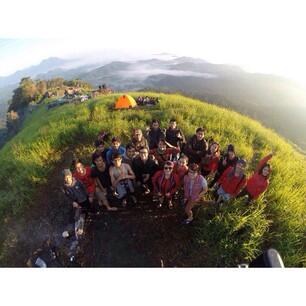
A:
<point x="168" y="168"/>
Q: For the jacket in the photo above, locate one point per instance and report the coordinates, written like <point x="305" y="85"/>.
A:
<point x="230" y="183"/>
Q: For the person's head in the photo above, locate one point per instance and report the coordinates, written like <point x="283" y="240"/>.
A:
<point x="240" y="166"/>
<point x="137" y="134"/>
<point x="100" y="145"/>
<point x="265" y="170"/>
<point x="162" y="147"/>
<point x="172" y="123"/>
<point x="79" y="166"/>
<point x="155" y="124"/>
<point x="68" y="177"/>
<point x="230" y="151"/>
<point x="117" y="160"/>
<point x="200" y="133"/>
<point x="143" y="153"/>
<point x="116" y="143"/>
<point x="168" y="167"/>
<point x="193" y="170"/>
<point x="130" y="151"/>
<point x="214" y="148"/>
<point x="183" y="161"/>
<point x="98" y="160"/>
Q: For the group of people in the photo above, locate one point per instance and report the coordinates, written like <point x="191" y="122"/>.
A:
<point x="146" y="100"/>
<point x="163" y="164"/>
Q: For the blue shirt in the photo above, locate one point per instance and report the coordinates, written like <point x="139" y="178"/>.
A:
<point x="110" y="153"/>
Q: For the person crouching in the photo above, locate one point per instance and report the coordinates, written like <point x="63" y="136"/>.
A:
<point x="165" y="183"/>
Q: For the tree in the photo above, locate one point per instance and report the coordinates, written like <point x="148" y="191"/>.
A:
<point x="24" y="94"/>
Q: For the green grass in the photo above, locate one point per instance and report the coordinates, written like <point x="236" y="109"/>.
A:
<point x="236" y="233"/>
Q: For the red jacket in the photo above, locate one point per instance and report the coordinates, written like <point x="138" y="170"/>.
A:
<point x="211" y="164"/>
<point x="163" y="185"/>
<point x="162" y="158"/>
<point x="257" y="183"/>
<point x="230" y="183"/>
<point x="86" y="179"/>
<point x="180" y="171"/>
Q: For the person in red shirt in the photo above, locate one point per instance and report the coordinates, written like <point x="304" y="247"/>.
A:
<point x="165" y="184"/>
<point x="162" y="153"/>
<point x="259" y="181"/>
<point x="181" y="167"/>
<point x="209" y="163"/>
<point x="83" y="174"/>
<point x="231" y="182"/>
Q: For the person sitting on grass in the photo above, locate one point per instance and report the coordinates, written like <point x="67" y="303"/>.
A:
<point x="115" y="148"/>
<point x="174" y="135"/>
<point x="165" y="184"/>
<point x="181" y="168"/>
<point x="231" y="182"/>
<point x="100" y="148"/>
<point x="100" y="174"/>
<point x="229" y="159"/>
<point x="259" y="181"/>
<point x="195" y="186"/>
<point x="130" y="154"/>
<point x="162" y="153"/>
<point x="138" y="140"/>
<point x="144" y="168"/>
<point x="122" y="177"/>
<point x="83" y="174"/>
<point x="209" y="163"/>
<point x="76" y="192"/>
<point x="154" y="134"/>
<point x="197" y="146"/>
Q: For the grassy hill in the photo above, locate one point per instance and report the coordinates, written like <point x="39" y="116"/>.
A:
<point x="236" y="233"/>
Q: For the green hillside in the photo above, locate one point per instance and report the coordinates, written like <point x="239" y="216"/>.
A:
<point x="236" y="233"/>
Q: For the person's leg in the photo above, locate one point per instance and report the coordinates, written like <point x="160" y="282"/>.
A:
<point x="215" y="179"/>
<point x="122" y="193"/>
<point x="170" y="202"/>
<point x="103" y="201"/>
<point x="131" y="189"/>
<point x="188" y="210"/>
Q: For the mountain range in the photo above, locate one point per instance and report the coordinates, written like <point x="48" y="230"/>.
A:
<point x="277" y="102"/>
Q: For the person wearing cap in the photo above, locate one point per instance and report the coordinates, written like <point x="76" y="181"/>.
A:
<point x="209" y="163"/>
<point x="162" y="153"/>
<point x="197" y="146"/>
<point x="231" y="182"/>
<point x="165" y="184"/>
<point x="229" y="159"/>
<point x="75" y="191"/>
<point x="122" y="177"/>
<point x="195" y="186"/>
<point x="115" y="148"/>
<point x="259" y="181"/>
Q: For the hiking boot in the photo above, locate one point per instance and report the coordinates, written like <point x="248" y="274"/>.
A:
<point x="170" y="205"/>
<point x="124" y="203"/>
<point x="159" y="205"/>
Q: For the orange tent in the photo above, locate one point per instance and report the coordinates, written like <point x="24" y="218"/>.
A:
<point x="125" y="101"/>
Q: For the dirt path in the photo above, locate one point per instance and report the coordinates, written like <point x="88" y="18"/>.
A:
<point x="143" y="236"/>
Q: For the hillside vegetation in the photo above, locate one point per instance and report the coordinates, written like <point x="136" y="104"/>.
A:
<point x="236" y="233"/>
